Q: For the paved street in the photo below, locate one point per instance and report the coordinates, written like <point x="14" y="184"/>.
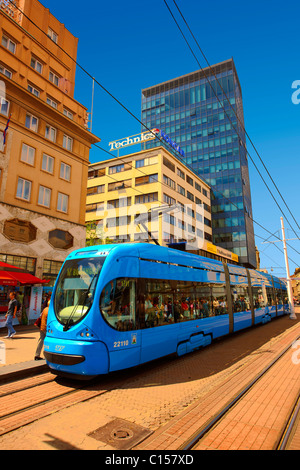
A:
<point x="22" y="347"/>
<point x="151" y="396"/>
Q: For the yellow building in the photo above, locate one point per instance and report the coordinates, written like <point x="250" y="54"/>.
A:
<point x="44" y="161"/>
<point x="150" y="195"/>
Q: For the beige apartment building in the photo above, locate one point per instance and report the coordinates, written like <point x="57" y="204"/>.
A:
<point x="45" y="158"/>
<point x="150" y="195"/>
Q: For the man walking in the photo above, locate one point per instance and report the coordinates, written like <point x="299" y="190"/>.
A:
<point x="11" y="313"/>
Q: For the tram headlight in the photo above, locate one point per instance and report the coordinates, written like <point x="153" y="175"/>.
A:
<point x="86" y="333"/>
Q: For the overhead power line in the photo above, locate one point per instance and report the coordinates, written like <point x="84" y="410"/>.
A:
<point x="125" y="108"/>
<point x="241" y="123"/>
<point x="207" y="78"/>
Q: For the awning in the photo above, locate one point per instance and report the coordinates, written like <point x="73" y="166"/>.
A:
<point x="9" y="267"/>
<point x="7" y="278"/>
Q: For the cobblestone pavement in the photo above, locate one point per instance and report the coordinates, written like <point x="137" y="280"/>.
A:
<point x="152" y="394"/>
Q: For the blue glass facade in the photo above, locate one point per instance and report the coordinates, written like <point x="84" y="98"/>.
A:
<point x="208" y="131"/>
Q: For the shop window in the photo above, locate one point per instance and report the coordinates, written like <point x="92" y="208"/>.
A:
<point x="51" y="267"/>
<point x="19" y="230"/>
<point x="61" y="239"/>
<point x="23" y="262"/>
<point x="50" y="270"/>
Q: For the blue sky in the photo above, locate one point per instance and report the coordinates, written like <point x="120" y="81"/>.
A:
<point x="131" y="45"/>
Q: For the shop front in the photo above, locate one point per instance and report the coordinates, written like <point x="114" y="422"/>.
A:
<point x="29" y="290"/>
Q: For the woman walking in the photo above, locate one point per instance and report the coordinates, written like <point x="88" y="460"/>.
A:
<point x="43" y="328"/>
<point x="11" y="313"/>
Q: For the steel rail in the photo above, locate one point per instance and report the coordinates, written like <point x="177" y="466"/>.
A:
<point x="196" y="437"/>
<point x="287" y="432"/>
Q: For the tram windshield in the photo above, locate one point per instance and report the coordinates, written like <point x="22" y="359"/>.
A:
<point x="75" y="289"/>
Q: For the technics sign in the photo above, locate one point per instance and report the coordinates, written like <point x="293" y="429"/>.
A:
<point x="143" y="137"/>
<point x="133" y="140"/>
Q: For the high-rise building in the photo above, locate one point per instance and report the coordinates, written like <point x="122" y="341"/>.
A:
<point x="44" y="141"/>
<point x="212" y="138"/>
<point x="172" y="200"/>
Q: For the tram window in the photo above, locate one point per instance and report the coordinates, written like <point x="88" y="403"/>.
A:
<point x="204" y="306"/>
<point x="258" y="298"/>
<point x="240" y="298"/>
<point x="117" y="304"/>
<point x="278" y="296"/>
<point x="158" y="303"/>
<point x="163" y="302"/>
<point x="219" y="303"/>
<point x="185" y="301"/>
<point x="284" y="296"/>
<point x="75" y="289"/>
<point x="270" y="296"/>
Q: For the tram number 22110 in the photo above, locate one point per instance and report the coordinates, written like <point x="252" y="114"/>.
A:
<point x="119" y="344"/>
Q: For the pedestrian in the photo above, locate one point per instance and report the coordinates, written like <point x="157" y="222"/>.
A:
<point x="47" y="298"/>
<point x="43" y="328"/>
<point x="11" y="314"/>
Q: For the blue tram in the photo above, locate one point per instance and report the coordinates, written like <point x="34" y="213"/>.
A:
<point x="118" y="306"/>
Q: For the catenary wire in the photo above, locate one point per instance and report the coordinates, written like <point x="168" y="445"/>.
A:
<point x="257" y="223"/>
<point x="121" y="104"/>
<point x="102" y="149"/>
<point x="70" y="156"/>
<point x="226" y="112"/>
<point x="240" y="122"/>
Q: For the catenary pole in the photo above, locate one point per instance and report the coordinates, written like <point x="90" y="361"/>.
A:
<point x="288" y="278"/>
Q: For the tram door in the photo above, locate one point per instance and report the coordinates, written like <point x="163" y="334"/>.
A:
<point x="158" y="311"/>
<point x="118" y="307"/>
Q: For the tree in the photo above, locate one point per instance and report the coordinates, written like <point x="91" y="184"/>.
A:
<point x="95" y="234"/>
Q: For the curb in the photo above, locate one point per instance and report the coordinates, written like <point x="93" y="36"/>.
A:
<point x="22" y="370"/>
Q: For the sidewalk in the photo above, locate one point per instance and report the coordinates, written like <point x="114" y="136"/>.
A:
<point x="20" y="352"/>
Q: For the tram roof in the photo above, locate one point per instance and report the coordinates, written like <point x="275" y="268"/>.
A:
<point x="150" y="252"/>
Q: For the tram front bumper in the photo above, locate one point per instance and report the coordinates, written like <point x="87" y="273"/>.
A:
<point x="76" y="357"/>
<point x="66" y="359"/>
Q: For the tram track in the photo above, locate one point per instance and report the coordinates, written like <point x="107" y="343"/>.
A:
<point x="51" y="394"/>
<point x="287" y="434"/>
<point x="194" y="442"/>
<point x="15" y="386"/>
<point x="27" y="400"/>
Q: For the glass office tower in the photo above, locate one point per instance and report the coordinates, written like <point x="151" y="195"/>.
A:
<point x="206" y="128"/>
